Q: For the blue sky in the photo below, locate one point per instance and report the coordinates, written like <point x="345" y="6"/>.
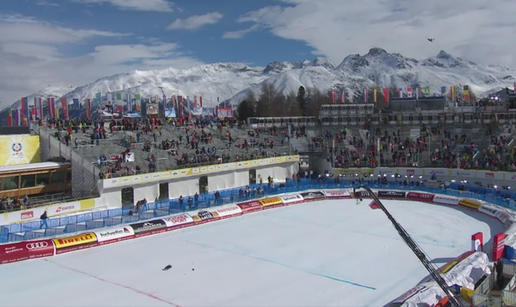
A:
<point x="75" y="42"/>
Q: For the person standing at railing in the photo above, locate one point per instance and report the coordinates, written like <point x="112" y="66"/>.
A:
<point x="43" y="218"/>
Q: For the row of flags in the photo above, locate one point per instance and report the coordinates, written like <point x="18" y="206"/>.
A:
<point x="409" y="92"/>
<point x="39" y="107"/>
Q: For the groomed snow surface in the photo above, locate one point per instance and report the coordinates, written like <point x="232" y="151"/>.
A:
<point x="327" y="253"/>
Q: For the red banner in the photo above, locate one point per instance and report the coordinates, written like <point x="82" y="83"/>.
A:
<point x="498" y="246"/>
<point x="477" y="242"/>
<point x="386" y="94"/>
<point x="20" y="251"/>
<point x="250" y="206"/>
<point x="64" y="105"/>
<point x="426" y="197"/>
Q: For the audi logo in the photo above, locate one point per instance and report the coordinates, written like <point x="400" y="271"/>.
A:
<point x="36" y="245"/>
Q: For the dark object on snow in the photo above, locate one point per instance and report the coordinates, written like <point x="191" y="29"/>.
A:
<point x="168" y="267"/>
<point x="193" y="269"/>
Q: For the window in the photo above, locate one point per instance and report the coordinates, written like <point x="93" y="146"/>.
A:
<point x="28" y="181"/>
<point x="10" y="183"/>
<point x="58" y="177"/>
<point x="43" y="179"/>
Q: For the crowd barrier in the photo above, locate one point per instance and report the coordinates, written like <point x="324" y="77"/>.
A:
<point x="108" y="218"/>
<point x="14" y="252"/>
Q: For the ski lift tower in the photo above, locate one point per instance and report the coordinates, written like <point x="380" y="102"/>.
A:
<point x="418" y="251"/>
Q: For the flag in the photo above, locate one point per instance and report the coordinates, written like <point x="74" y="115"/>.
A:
<point x="180" y="105"/>
<point x="466" y="92"/>
<point x="333" y="98"/>
<point x="77" y="111"/>
<point x="400" y="93"/>
<point x="16" y="117"/>
<point x="419" y="92"/>
<point x="109" y="97"/>
<point x="53" y="107"/>
<point x="200" y="101"/>
<point x="129" y="104"/>
<point x="164" y="103"/>
<point x="452" y="93"/>
<point x="374" y="95"/>
<point x="88" y="108"/>
<point x="409" y="92"/>
<point x="57" y="112"/>
<point x="195" y="101"/>
<point x="118" y="96"/>
<point x="98" y="97"/>
<point x="24" y="108"/>
<point x="9" y="118"/>
<point x="514" y="87"/>
<point x="386" y="94"/>
<point x="443" y="90"/>
<point x="342" y="96"/>
<point x="374" y="205"/>
<point x="35" y="110"/>
<point x="64" y="106"/>
<point x="365" y="95"/>
<point x="427" y="91"/>
<point x="41" y="108"/>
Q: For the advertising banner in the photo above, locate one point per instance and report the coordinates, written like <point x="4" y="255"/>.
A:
<point x="178" y="221"/>
<point x="63" y="208"/>
<point x="291" y="199"/>
<point x="152" y="109"/>
<point x="20" y="251"/>
<point x="499" y="213"/>
<point x="229" y="211"/>
<point x="337" y="194"/>
<point x="391" y="194"/>
<point x="81" y="239"/>
<point x="114" y="234"/>
<point x="499" y="247"/>
<point x="205" y="216"/>
<point x="416" y="196"/>
<point x="273" y="202"/>
<point x="312" y="196"/>
<point x="146" y="227"/>
<point x="19" y="149"/>
<point x="250" y="206"/>
<point x="446" y="200"/>
<point x="469" y="203"/>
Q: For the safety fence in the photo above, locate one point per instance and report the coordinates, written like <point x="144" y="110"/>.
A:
<point x="112" y="217"/>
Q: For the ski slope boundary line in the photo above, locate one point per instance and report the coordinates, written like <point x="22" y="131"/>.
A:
<point x="284" y="265"/>
<point x="115" y="284"/>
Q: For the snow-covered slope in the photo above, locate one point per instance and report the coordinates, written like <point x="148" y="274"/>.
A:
<point x="233" y="81"/>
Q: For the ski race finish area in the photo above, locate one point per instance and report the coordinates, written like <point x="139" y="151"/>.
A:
<point x="314" y="248"/>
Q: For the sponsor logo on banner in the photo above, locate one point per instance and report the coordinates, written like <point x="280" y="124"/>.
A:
<point x="26" y="250"/>
<point x="81" y="239"/>
<point x="391" y="194"/>
<point x="337" y="194"/>
<point x="438" y="172"/>
<point x="114" y="234"/>
<point x="410" y="172"/>
<point x="470" y="203"/>
<point x="489" y="175"/>
<point x="292" y="199"/>
<point x="228" y="211"/>
<point x="178" y="220"/>
<point x="204" y="216"/>
<point x="148" y="226"/>
<point x="464" y="174"/>
<point x="308" y="196"/>
<point x="270" y="202"/>
<point x="27" y="215"/>
<point x="250" y="206"/>
<point x="420" y="196"/>
<point x="405" y="296"/>
<point x="64" y="208"/>
<point x="446" y="200"/>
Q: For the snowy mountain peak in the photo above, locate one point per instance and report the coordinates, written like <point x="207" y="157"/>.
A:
<point x="234" y="81"/>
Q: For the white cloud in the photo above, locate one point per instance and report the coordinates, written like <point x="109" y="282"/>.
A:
<point x="335" y="28"/>
<point x="136" y="5"/>
<point x="46" y="3"/>
<point x="195" y="22"/>
<point x="240" y="33"/>
<point x="31" y="57"/>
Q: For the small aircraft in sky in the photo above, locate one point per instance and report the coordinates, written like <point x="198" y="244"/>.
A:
<point x="431" y="39"/>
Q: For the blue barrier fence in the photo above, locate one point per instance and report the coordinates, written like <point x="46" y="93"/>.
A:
<point x="112" y="217"/>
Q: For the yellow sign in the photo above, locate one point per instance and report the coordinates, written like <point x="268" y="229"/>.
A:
<point x="81" y="239"/>
<point x="470" y="203"/>
<point x="270" y="201"/>
<point x="352" y="171"/>
<point x="19" y="149"/>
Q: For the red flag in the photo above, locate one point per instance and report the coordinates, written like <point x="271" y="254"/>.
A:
<point x="200" y="100"/>
<point x="9" y="118"/>
<point x="386" y="94"/>
<point x="88" y="108"/>
<point x="333" y="98"/>
<point x="64" y="105"/>
<point x="180" y="103"/>
<point x="373" y="205"/>
<point x="40" y="108"/>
